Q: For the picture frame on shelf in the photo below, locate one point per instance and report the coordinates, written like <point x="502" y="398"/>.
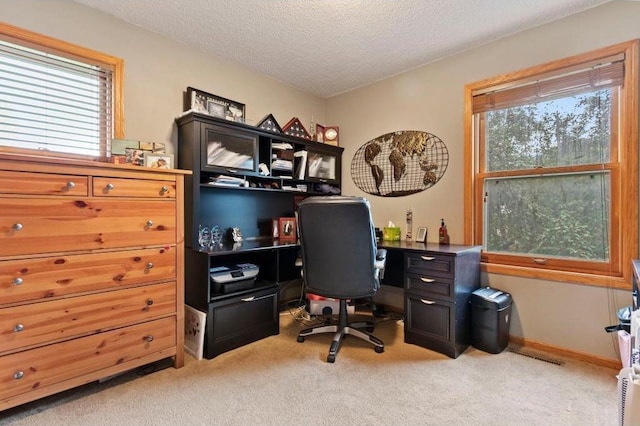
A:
<point x="421" y="234"/>
<point x="216" y="106"/>
<point x="319" y="133"/>
<point x="287" y="229"/>
<point x="158" y="161"/>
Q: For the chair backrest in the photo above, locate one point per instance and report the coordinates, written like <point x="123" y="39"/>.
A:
<point x="338" y="246"/>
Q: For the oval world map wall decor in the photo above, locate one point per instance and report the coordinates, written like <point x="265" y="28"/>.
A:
<point x="399" y="163"/>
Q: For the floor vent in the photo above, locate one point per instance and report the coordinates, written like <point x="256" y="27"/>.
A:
<point x="538" y="356"/>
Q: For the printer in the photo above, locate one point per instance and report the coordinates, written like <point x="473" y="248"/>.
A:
<point x="228" y="279"/>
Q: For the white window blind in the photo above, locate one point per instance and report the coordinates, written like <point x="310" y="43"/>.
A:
<point x="53" y="103"/>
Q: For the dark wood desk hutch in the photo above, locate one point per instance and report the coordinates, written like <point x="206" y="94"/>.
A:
<point x="215" y="149"/>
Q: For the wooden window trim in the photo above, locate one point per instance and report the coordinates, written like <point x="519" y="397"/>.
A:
<point x="625" y="210"/>
<point x="72" y="51"/>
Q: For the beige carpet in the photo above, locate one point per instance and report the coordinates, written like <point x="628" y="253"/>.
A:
<point x="278" y="381"/>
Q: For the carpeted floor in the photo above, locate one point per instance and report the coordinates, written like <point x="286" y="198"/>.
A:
<point x="277" y="381"/>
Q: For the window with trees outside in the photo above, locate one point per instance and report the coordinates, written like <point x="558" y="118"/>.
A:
<point x="552" y="168"/>
<point x="56" y="97"/>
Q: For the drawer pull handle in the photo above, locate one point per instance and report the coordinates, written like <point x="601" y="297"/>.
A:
<point x="149" y="223"/>
<point x="18" y="375"/>
<point x="149" y="302"/>
<point x="540" y="261"/>
<point x="17" y="227"/>
<point x="426" y="280"/>
<point x="17" y="281"/>
<point x="149" y="338"/>
<point x="427" y="302"/>
<point x="109" y="187"/>
<point x="18" y="327"/>
<point x="249" y="299"/>
<point x="164" y="190"/>
<point x="427" y="258"/>
<point x="149" y="265"/>
<point x="71" y="185"/>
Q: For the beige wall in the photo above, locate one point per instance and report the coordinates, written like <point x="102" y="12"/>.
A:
<point x="157" y="71"/>
<point x="430" y="99"/>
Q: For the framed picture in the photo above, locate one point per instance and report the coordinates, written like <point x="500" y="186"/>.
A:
<point x="319" y="133"/>
<point x="134" y="156"/>
<point x="158" y="161"/>
<point x="421" y="235"/>
<point x="216" y="106"/>
<point x="287" y="228"/>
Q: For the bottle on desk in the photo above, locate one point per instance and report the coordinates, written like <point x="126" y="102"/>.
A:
<point x="443" y="236"/>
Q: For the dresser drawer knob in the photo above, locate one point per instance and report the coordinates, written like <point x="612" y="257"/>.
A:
<point x="17" y="227"/>
<point x="18" y="375"/>
<point x="149" y="338"/>
<point x="18" y="327"/>
<point x="149" y="265"/>
<point x="427" y="302"/>
<point x="149" y="223"/>
<point x="426" y="280"/>
<point x="427" y="258"/>
<point x="71" y="185"/>
<point x="109" y="187"/>
<point x="17" y="281"/>
<point x="164" y="189"/>
<point x="149" y="302"/>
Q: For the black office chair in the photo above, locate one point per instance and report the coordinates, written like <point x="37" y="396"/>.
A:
<point x="340" y="261"/>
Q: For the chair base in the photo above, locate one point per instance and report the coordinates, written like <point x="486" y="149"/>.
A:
<point x="341" y="329"/>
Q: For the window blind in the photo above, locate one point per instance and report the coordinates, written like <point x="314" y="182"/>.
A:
<point x="595" y="77"/>
<point x="52" y="103"/>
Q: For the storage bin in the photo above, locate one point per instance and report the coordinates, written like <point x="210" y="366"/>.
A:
<point x="490" y="318"/>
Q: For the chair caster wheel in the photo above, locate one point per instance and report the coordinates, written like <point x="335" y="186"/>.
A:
<point x="300" y="339"/>
<point x="379" y="349"/>
<point x="331" y="358"/>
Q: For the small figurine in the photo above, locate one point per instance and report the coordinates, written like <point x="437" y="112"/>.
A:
<point x="443" y="237"/>
<point x="237" y="235"/>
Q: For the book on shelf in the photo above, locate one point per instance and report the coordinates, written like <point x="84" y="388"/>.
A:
<point x="300" y="164"/>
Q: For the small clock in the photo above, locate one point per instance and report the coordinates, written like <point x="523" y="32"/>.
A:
<point x="331" y="135"/>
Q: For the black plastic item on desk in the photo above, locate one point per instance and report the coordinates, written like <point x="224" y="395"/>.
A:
<point x="490" y="318"/>
<point x="624" y="318"/>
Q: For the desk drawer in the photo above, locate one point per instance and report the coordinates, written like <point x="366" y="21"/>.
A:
<point x="38" y="323"/>
<point x="26" y="183"/>
<point x="32" y="226"/>
<point x="434" y="264"/>
<point x="121" y="187"/>
<point x="48" y="365"/>
<point x="429" y="323"/>
<point x="51" y="277"/>
<point x="430" y="285"/>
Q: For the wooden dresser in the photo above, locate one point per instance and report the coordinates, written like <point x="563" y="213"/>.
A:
<point x="91" y="272"/>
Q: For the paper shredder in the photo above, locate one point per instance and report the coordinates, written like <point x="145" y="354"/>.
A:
<point x="490" y="318"/>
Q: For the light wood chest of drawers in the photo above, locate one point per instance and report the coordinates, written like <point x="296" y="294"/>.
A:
<point x="91" y="272"/>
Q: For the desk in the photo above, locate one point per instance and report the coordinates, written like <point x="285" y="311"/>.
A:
<point x="437" y="281"/>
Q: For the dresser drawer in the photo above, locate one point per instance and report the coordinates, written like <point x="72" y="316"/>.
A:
<point x="121" y="187"/>
<point x="44" y="278"/>
<point x="31" y="226"/>
<point x="46" y="366"/>
<point x="433" y="264"/>
<point x="38" y="323"/>
<point x="430" y="285"/>
<point x="27" y="183"/>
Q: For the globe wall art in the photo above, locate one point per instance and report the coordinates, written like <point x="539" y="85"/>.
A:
<point x="399" y="163"/>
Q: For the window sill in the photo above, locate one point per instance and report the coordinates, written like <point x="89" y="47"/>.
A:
<point x="562" y="276"/>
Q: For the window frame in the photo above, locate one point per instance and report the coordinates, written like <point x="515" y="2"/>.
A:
<point x="624" y="178"/>
<point x="61" y="48"/>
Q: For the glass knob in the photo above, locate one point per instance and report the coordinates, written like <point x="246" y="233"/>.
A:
<point x="18" y="327"/>
<point x="17" y="226"/>
<point x="149" y="302"/>
<point x="149" y="265"/>
<point x="164" y="189"/>
<point x="109" y="186"/>
<point x="71" y="185"/>
<point x="149" y="223"/>
<point x="17" y="281"/>
<point x="18" y="375"/>
<point x="149" y="338"/>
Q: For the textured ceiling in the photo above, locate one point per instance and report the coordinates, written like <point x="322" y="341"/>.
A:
<point x="327" y="47"/>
